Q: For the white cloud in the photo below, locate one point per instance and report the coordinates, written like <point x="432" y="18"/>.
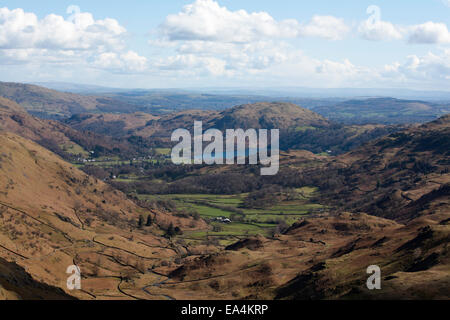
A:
<point x="379" y="31"/>
<point x="327" y="27"/>
<point x="210" y="39"/>
<point x="22" y="30"/>
<point x="431" y="69"/>
<point x="194" y="65"/>
<point x="425" y="33"/>
<point x="446" y="2"/>
<point x="123" y="63"/>
<point x="40" y="56"/>
<point x="429" y="32"/>
<point x="206" y="20"/>
<point x="78" y="41"/>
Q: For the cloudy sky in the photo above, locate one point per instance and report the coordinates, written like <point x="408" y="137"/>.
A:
<point x="228" y="43"/>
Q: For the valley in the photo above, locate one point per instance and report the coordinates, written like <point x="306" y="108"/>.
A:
<point x="99" y="191"/>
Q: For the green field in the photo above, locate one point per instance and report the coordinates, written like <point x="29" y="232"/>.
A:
<point x="74" y="149"/>
<point x="250" y="221"/>
<point x="163" y="151"/>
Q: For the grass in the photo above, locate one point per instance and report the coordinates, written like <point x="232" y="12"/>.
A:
<point x="304" y="128"/>
<point x="74" y="149"/>
<point x="163" y="151"/>
<point x="256" y="221"/>
<point x="234" y="230"/>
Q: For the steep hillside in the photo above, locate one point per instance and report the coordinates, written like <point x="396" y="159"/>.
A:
<point x="61" y="138"/>
<point x="53" y="216"/>
<point x="413" y="259"/>
<point x="13" y="118"/>
<point x="325" y="257"/>
<point x="139" y="124"/>
<point x="400" y="176"/>
<point x="17" y="284"/>
<point x="49" y="103"/>
<point x="115" y="125"/>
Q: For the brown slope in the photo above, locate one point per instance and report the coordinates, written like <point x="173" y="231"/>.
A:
<point x="56" y="136"/>
<point x="389" y="176"/>
<point x="53" y="215"/>
<point x="14" y="118"/>
<point x="275" y="115"/>
<point x="267" y="115"/>
<point x="325" y="258"/>
<point x="413" y="259"/>
<point x="17" y="284"/>
<point x="116" y="125"/>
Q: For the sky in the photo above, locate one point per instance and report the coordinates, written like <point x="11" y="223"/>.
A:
<point x="228" y="43"/>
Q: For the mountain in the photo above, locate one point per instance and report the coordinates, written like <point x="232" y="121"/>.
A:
<point x="50" y="103"/>
<point x="400" y="176"/>
<point x="14" y="118"/>
<point x="383" y="111"/>
<point x="62" y="139"/>
<point x="278" y="115"/>
<point x="115" y="125"/>
<point x="265" y="115"/>
<point x="300" y="128"/>
<point x="412" y="258"/>
<point x="53" y="216"/>
<point x="87" y="89"/>
<point x="326" y="255"/>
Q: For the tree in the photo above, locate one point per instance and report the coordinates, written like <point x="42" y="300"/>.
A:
<point x="141" y="221"/>
<point x="170" y="231"/>
<point x="149" y="221"/>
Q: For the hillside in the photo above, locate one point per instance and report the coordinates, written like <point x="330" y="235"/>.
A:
<point x="400" y="176"/>
<point x="275" y="115"/>
<point x="325" y="257"/>
<point x="53" y="215"/>
<point x="115" y="125"/>
<point x="14" y="118"/>
<point x="281" y="116"/>
<point x="60" y="138"/>
<point x="51" y="103"/>
<point x="300" y="128"/>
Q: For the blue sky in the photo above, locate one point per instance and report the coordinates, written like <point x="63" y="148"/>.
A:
<point x="207" y="43"/>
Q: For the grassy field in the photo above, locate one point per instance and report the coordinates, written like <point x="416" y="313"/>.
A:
<point x="74" y="149"/>
<point x="248" y="221"/>
<point x="163" y="151"/>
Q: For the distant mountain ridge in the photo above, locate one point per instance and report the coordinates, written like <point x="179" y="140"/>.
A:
<point x="51" y="103"/>
<point x="360" y="109"/>
<point x="268" y="92"/>
<point x="264" y="115"/>
<point x="300" y="128"/>
<point x="383" y="110"/>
